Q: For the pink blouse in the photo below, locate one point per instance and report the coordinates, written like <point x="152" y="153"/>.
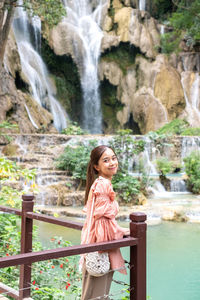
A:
<point x="104" y="226"/>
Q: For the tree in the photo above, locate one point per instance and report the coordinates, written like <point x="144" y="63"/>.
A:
<point x="185" y="23"/>
<point x="50" y="11"/>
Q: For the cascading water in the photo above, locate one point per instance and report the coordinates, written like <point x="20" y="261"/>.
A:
<point x="195" y="94"/>
<point x="189" y="144"/>
<point x="142" y="4"/>
<point x="34" y="68"/>
<point x="162" y="29"/>
<point x="192" y="99"/>
<point x="84" y="18"/>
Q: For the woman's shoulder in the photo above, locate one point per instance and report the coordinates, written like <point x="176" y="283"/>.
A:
<point x="102" y="186"/>
<point x="101" y="181"/>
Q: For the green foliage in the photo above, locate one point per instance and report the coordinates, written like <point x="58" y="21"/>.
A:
<point x="164" y="166"/>
<point x="126" y="147"/>
<point x="75" y="160"/>
<point x="191" y="132"/>
<point x="186" y="25"/>
<point x="50" y="11"/>
<point x="170" y="42"/>
<point x="52" y="279"/>
<point x="6" y="125"/>
<point x="176" y="126"/>
<point x="160" y="140"/>
<point x="11" y="173"/>
<point x="73" y="129"/>
<point x="192" y="168"/>
<point x="127" y="186"/>
<point x="161" y="8"/>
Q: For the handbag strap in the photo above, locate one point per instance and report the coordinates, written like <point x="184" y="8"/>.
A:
<point x="90" y="221"/>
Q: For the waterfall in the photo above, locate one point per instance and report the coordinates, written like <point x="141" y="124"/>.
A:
<point x="84" y="18"/>
<point x="34" y="69"/>
<point x="195" y="93"/>
<point x="189" y="144"/>
<point x="162" y="29"/>
<point x="178" y="185"/>
<point x="30" y="117"/>
<point x="142" y="4"/>
<point x="37" y="33"/>
<point x="192" y="99"/>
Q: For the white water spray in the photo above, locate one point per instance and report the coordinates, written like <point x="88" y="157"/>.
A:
<point x="84" y="18"/>
<point x="34" y="68"/>
<point x="142" y="4"/>
<point x="192" y="100"/>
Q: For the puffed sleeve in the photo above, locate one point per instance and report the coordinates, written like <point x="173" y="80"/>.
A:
<point x="105" y="206"/>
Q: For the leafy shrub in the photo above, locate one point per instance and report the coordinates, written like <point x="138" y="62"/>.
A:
<point x="6" y="125"/>
<point x="170" y="42"/>
<point x="73" y="129"/>
<point x="185" y="23"/>
<point x="126" y="147"/>
<point x="10" y="173"/>
<point x="192" y="168"/>
<point x="52" y="279"/>
<point x="176" y="126"/>
<point x="191" y="132"/>
<point x="127" y="186"/>
<point x="75" y="160"/>
<point x="164" y="166"/>
<point x="160" y="140"/>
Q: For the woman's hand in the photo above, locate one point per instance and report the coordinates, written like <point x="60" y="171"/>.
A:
<point x="126" y="232"/>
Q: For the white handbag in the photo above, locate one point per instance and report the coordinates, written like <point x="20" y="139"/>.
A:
<point x="97" y="264"/>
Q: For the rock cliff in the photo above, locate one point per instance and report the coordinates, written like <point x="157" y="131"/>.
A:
<point x="149" y="88"/>
<point x="17" y="106"/>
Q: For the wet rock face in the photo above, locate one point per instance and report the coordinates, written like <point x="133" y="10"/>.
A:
<point x="14" y="107"/>
<point x="168" y="89"/>
<point x="134" y="26"/>
<point x="151" y="91"/>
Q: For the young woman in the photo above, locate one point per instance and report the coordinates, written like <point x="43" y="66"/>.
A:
<point x="102" y="166"/>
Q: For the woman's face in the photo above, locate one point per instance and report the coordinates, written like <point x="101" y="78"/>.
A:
<point x="107" y="164"/>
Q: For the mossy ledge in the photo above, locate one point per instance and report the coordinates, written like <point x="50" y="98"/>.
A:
<point x="124" y="55"/>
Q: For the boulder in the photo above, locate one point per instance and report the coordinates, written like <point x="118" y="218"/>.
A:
<point x="148" y="111"/>
<point x="168" y="89"/>
<point x="110" y="71"/>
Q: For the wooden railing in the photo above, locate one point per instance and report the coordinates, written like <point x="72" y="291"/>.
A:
<point x="136" y="242"/>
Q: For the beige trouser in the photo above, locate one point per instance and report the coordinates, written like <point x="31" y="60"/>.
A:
<point x="93" y="287"/>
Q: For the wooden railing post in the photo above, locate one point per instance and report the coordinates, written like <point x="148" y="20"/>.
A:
<point x="26" y="246"/>
<point x="138" y="257"/>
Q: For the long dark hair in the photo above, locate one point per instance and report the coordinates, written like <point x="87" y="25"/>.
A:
<point x="95" y="155"/>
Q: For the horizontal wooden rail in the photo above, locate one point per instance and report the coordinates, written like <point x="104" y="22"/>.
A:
<point x="136" y="242"/>
<point x="11" y="210"/>
<point x="53" y="220"/>
<point x="28" y="258"/>
<point x="9" y="291"/>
